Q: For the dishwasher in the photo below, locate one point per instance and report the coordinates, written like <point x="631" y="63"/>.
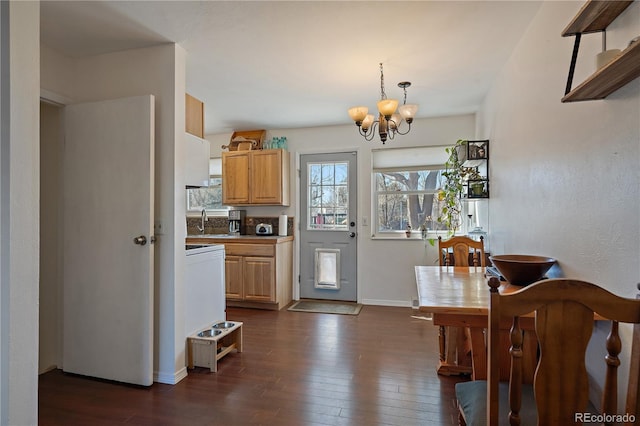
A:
<point x="204" y="301"/>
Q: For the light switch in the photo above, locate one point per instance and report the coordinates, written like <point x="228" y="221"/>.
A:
<point x="365" y="221"/>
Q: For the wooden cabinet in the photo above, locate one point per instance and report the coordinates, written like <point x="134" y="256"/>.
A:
<point x="259" y="275"/>
<point x="255" y="177"/>
<point x="197" y="149"/>
<point x="596" y="16"/>
<point x="233" y="277"/>
<point x="194" y="116"/>
<point x="235" y="178"/>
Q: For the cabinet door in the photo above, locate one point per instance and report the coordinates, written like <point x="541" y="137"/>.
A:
<point x="259" y="279"/>
<point x="194" y="116"/>
<point x="235" y="178"/>
<point x="270" y="177"/>
<point x="233" y="277"/>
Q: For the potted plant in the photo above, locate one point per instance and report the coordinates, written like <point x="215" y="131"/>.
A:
<point x="476" y="182"/>
<point x="451" y="191"/>
<point x="456" y="178"/>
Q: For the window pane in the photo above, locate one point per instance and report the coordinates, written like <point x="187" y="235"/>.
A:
<point x="328" y="196"/>
<point x="408" y="198"/>
<point x="342" y="175"/>
<point x="209" y="198"/>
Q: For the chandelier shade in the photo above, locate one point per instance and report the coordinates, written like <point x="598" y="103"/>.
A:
<point x="408" y="112"/>
<point x="358" y="114"/>
<point x="389" y="121"/>
<point x="387" y="107"/>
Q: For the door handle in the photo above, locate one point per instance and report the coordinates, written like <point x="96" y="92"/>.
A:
<point x="141" y="240"/>
<point x="352" y="234"/>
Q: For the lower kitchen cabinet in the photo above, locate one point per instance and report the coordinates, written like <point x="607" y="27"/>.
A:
<point x="259" y="275"/>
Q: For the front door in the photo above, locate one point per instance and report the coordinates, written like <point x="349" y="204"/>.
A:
<point x="328" y="256"/>
<point x="108" y="277"/>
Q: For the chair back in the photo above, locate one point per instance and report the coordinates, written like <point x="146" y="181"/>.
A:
<point x="564" y="317"/>
<point x="461" y="248"/>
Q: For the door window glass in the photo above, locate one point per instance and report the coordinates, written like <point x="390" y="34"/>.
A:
<point x="327" y="196"/>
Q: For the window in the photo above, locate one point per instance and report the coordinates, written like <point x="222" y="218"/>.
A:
<point x="328" y="195"/>
<point x="407" y="181"/>
<point x="209" y="198"/>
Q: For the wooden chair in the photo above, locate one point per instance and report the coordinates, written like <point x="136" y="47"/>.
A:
<point x="454" y="342"/>
<point x="564" y="317"/>
<point x="461" y="247"/>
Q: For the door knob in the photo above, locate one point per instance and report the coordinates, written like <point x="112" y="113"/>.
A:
<point x="352" y="234"/>
<point x="141" y="240"/>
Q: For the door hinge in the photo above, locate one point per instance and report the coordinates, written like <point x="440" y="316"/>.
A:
<point x="298" y="279"/>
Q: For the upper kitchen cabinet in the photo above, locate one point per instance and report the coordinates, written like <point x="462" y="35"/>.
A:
<point x="255" y="177"/>
<point x="194" y="117"/>
<point x="197" y="149"/>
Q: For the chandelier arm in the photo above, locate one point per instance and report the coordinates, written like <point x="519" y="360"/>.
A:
<point x="369" y="134"/>
<point x="401" y="133"/>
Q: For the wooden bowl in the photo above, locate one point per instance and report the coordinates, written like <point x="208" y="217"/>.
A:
<point x="522" y="269"/>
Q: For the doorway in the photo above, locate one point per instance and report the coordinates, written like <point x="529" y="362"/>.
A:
<point x="96" y="279"/>
<point x="328" y="238"/>
<point x="51" y="237"/>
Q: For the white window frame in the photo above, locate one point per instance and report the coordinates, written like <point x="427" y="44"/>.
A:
<point x="215" y="171"/>
<point x="403" y="160"/>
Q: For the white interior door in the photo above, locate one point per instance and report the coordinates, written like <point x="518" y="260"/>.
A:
<point x="328" y="240"/>
<point x="108" y="200"/>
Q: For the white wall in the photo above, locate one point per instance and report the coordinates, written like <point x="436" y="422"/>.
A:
<point x="385" y="267"/>
<point x="565" y="178"/>
<point x="159" y="71"/>
<point x="19" y="212"/>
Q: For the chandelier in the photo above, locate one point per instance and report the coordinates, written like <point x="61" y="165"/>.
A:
<point x="388" y="122"/>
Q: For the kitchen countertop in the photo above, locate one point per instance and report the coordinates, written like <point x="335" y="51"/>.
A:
<point x="225" y="238"/>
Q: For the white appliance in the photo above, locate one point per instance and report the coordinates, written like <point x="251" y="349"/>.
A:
<point x="204" y="287"/>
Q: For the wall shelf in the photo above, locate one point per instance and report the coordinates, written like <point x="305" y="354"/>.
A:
<point x="596" y="16"/>
<point x="620" y="71"/>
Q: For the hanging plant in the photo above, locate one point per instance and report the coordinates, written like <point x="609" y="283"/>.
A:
<point x="450" y="195"/>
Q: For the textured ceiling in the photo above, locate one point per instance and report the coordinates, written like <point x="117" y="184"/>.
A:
<point x="290" y="64"/>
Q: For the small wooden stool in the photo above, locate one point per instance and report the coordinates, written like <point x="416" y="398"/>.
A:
<point x="207" y="351"/>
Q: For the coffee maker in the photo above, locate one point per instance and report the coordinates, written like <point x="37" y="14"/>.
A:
<point x="236" y="222"/>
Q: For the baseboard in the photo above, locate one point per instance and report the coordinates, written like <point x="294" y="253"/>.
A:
<point x="378" y="302"/>
<point x="49" y="368"/>
<point x="168" y="378"/>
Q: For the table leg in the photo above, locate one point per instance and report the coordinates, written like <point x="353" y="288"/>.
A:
<point x="457" y="353"/>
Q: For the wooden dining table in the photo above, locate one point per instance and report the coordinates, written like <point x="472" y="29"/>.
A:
<point x="458" y="297"/>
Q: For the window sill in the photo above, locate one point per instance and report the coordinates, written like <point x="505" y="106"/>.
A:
<point x="415" y="236"/>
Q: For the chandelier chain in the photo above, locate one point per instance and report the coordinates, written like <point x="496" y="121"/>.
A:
<point x="383" y="95"/>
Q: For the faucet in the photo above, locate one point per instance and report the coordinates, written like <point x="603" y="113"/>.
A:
<point x="203" y="217"/>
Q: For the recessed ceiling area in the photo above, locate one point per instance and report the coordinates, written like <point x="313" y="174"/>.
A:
<point x="292" y="64"/>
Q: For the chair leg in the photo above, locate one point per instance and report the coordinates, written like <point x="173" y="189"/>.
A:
<point x="442" y="341"/>
<point x="461" y="421"/>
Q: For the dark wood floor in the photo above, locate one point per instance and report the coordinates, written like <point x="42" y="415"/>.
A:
<point x="377" y="368"/>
